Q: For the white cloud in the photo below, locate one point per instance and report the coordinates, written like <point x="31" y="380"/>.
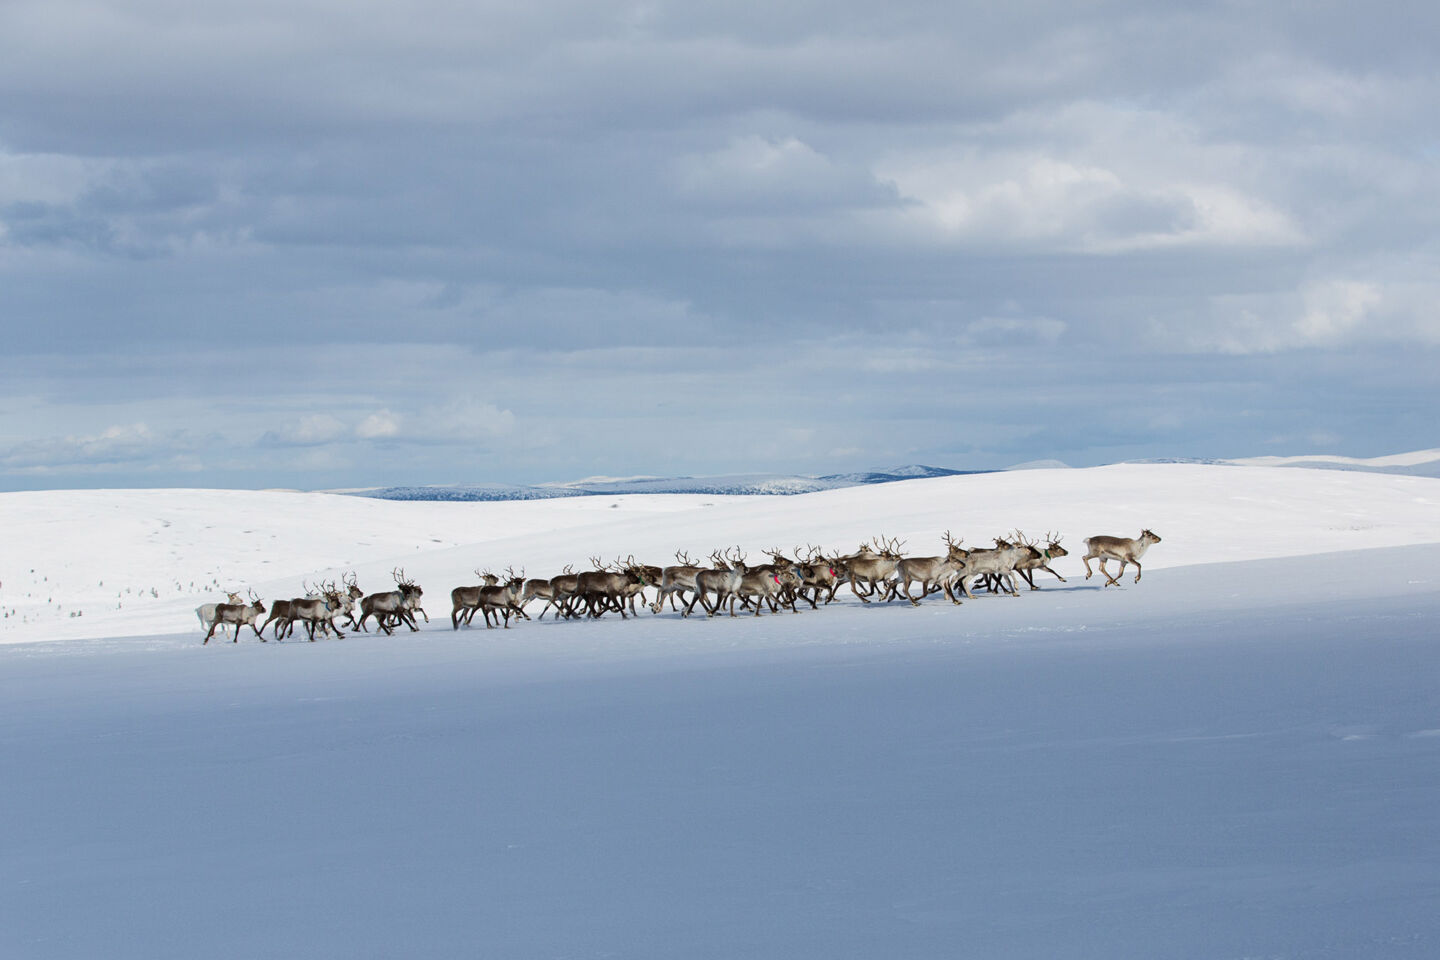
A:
<point x="310" y="430"/>
<point x="380" y="425"/>
<point x="129" y="446"/>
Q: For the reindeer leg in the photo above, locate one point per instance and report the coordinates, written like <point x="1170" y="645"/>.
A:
<point x="1137" y="570"/>
<point x="1088" y="572"/>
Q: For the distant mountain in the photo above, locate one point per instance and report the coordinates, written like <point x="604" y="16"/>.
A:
<point x="748" y="484"/>
<point x="1418" y="463"/>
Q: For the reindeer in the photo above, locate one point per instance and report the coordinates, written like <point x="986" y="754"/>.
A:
<point x="765" y="586"/>
<point x="282" y="613"/>
<point x="721" y="580"/>
<point x="933" y="573"/>
<point x="676" y="579"/>
<point x="206" y="612"/>
<point x="602" y="589"/>
<point x="316" y="611"/>
<point x="562" y="592"/>
<point x="536" y="589"/>
<point x="817" y="574"/>
<point x="237" y="615"/>
<point x="1117" y="548"/>
<point x="874" y="568"/>
<point x="464" y="601"/>
<point x="392" y="607"/>
<point x="350" y="597"/>
<point x="501" y="600"/>
<point x="643" y="575"/>
<point x="1040" y="558"/>
<point x="999" y="563"/>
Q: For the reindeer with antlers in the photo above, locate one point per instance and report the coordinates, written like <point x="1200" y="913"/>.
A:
<point x="817" y="575"/>
<point x="874" y="567"/>
<point x="676" y="579"/>
<point x="1040" y="557"/>
<point x="502" y="600"/>
<point x="236" y="615"/>
<point x="393" y="607"/>
<point x="721" y="580"/>
<point x="316" y="611"/>
<point x="464" y="601"/>
<point x="933" y="573"/>
<point x="603" y="589"/>
<point x="557" y="593"/>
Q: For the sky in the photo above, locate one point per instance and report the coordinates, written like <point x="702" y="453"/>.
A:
<point x="328" y="244"/>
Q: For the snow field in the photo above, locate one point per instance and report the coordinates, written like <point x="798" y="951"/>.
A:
<point x="102" y="552"/>
<point x="1237" y="758"/>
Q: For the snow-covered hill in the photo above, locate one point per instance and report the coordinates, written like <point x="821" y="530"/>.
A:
<point x="745" y="484"/>
<point x="107" y="563"/>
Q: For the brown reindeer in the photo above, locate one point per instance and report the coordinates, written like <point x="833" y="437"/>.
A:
<point x="1117" y="548"/>
<point x="237" y="615"/>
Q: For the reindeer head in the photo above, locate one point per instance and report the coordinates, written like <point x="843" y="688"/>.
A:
<point x="407" y="586"/>
<point x="888" y="548"/>
<point x="1149" y="536"/>
<point x="779" y="558"/>
<point x="1053" y="548"/>
<point x="352" y="587"/>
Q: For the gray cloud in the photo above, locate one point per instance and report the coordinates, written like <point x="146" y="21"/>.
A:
<point x="513" y="241"/>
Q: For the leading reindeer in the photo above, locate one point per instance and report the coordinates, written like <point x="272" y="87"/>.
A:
<point x="1117" y="548"/>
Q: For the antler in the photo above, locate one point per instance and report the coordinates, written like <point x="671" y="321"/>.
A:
<point x="682" y="557"/>
<point x="569" y="569"/>
<point x="595" y="562"/>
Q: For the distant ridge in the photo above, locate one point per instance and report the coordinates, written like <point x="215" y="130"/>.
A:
<point x="748" y="484"/>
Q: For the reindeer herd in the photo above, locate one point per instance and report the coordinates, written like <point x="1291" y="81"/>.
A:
<point x="877" y="572"/>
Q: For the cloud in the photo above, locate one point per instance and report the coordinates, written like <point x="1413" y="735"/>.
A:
<point x="380" y="425"/>
<point x="312" y="430"/>
<point x="516" y="239"/>
<point x="119" y="446"/>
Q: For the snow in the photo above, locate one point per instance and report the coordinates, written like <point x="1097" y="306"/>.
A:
<point x="1237" y="757"/>
<point x="1412" y="459"/>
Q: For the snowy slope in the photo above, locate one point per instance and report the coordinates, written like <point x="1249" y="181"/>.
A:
<point x="102" y="552"/>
